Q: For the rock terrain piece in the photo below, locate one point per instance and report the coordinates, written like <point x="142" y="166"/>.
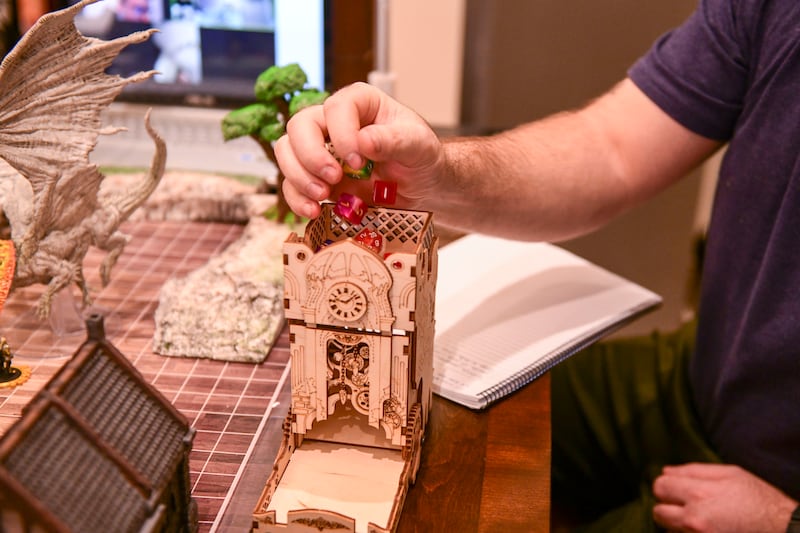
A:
<point x="184" y="195"/>
<point x="230" y="309"/>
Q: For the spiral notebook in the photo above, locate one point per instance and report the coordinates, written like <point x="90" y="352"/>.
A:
<point x="508" y="311"/>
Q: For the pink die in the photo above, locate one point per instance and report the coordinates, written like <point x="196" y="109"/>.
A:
<point x="384" y="192"/>
<point x="350" y="207"/>
<point x="369" y="238"/>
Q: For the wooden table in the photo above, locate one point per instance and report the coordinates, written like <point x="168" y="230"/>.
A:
<point x="480" y="471"/>
<point x="485" y="470"/>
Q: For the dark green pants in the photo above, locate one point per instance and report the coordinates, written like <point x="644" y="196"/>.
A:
<point x="621" y="410"/>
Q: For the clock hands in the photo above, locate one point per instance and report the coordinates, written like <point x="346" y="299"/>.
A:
<point x="346" y="301"/>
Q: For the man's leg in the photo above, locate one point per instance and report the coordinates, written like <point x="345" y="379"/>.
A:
<point x="621" y="410"/>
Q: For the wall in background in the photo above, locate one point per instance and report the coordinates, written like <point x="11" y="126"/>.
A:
<point x="525" y="59"/>
<point x="516" y="60"/>
<point x="349" y="49"/>
<point x="426" y="50"/>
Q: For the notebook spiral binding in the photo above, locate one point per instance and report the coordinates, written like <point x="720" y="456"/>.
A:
<point x="526" y="375"/>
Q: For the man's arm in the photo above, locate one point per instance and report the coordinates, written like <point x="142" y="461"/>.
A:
<point x="701" y="497"/>
<point x="570" y="173"/>
<point x="547" y="180"/>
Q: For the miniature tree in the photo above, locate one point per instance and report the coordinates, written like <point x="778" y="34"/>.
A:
<point x="280" y="93"/>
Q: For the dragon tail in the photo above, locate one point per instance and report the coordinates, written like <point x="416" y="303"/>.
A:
<point x="128" y="203"/>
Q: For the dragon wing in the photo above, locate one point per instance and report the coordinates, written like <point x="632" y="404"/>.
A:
<point x="53" y="88"/>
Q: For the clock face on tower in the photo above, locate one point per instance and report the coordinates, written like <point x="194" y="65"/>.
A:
<point x="346" y="301"/>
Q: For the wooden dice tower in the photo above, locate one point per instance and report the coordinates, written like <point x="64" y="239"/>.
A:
<point x="361" y="328"/>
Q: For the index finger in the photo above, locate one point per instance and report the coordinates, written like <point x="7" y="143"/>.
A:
<point x="346" y="112"/>
<point x="307" y="132"/>
<point x="710" y="471"/>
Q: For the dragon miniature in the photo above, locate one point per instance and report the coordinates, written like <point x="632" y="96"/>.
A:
<point x="53" y="88"/>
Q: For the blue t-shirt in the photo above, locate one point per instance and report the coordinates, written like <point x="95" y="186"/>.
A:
<point x="732" y="73"/>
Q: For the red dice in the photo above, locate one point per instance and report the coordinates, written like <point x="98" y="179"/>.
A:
<point x="370" y="238"/>
<point x="351" y="208"/>
<point x="384" y="192"/>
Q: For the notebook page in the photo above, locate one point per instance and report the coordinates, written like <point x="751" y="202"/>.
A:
<point x="503" y="305"/>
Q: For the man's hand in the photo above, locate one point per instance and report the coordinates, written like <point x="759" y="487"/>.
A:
<point x="704" y="497"/>
<point x="361" y="123"/>
<point x="550" y="180"/>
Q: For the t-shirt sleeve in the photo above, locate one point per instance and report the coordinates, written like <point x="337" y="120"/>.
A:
<point x="697" y="73"/>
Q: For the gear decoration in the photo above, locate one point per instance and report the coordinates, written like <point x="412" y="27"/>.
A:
<point x="391" y="412"/>
<point x="348" y="372"/>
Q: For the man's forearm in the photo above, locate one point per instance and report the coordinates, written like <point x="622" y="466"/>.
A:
<point x="567" y="174"/>
<point x="547" y="180"/>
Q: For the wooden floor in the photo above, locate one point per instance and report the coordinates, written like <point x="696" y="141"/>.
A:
<point x="229" y="404"/>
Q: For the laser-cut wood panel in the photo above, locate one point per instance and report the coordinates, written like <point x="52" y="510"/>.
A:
<point x="361" y="329"/>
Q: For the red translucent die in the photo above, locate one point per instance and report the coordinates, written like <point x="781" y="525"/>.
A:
<point x="350" y="207"/>
<point x="384" y="192"/>
<point x="369" y="238"/>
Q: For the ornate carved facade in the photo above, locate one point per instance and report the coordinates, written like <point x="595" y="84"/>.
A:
<point x="359" y="300"/>
<point x="361" y="321"/>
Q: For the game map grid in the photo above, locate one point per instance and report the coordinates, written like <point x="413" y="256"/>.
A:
<point x="228" y="404"/>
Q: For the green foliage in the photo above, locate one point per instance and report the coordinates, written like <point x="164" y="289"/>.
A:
<point x="272" y="132"/>
<point x="275" y="82"/>
<point x="280" y="93"/>
<point x="290" y="219"/>
<point x="248" y="120"/>
<point x="306" y="98"/>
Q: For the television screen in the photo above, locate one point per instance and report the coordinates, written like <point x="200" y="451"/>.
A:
<point x="209" y="52"/>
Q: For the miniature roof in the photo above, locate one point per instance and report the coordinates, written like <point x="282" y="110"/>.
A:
<point x="96" y="447"/>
